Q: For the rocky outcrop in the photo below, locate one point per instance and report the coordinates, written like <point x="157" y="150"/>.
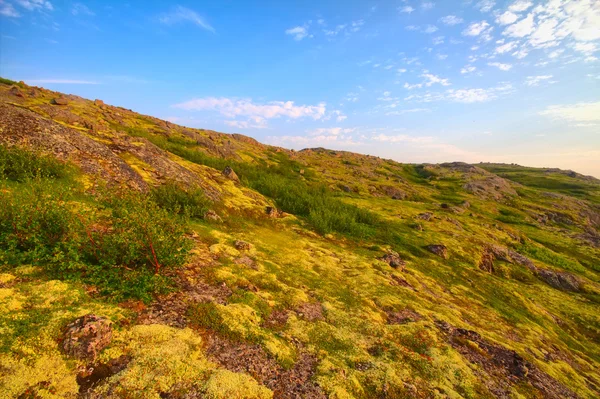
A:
<point x="230" y="174"/>
<point x="242" y="245"/>
<point x="559" y="280"/>
<point x="60" y="101"/>
<point x="393" y="259"/>
<point x="438" y="249"/>
<point x="85" y="337"/>
<point x="503" y="367"/>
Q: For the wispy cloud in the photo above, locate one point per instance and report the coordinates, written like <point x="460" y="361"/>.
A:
<point x="181" y="14"/>
<point x="81" y="9"/>
<point x="451" y="20"/>
<point x="536" y="80"/>
<point x="253" y="112"/>
<point x="7" y="10"/>
<point x="35" y="5"/>
<point x="298" y="32"/>
<point x="62" y="81"/>
<point x="580" y="112"/>
<point x="501" y="66"/>
<point x="406" y="9"/>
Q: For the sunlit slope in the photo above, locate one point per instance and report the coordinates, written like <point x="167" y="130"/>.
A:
<point x="311" y="273"/>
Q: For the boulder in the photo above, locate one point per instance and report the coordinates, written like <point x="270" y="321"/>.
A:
<point x="487" y="261"/>
<point x="230" y="174"/>
<point x="393" y="259"/>
<point x="212" y="215"/>
<point x="345" y="189"/>
<point x="559" y="280"/>
<point x="99" y="103"/>
<point x="242" y="245"/>
<point x="85" y="337"/>
<point x="15" y="91"/>
<point x="273" y="212"/>
<point x="427" y="216"/>
<point x="60" y="101"/>
<point x="438" y="249"/>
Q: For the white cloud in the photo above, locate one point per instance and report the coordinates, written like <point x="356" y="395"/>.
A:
<point x="427" y="5"/>
<point x="520" y="6"/>
<point x="32" y="5"/>
<point x="81" y="9"/>
<point x="181" y="14"/>
<point x="485" y="5"/>
<point x="585" y="48"/>
<point x="406" y="9"/>
<point x="523" y="28"/>
<point x="261" y="124"/>
<point x="430" y="29"/>
<point x="451" y="20"/>
<point x="431" y="79"/>
<point x="464" y="95"/>
<point x="352" y="97"/>
<point x="414" y="86"/>
<point x="501" y="66"/>
<point x="441" y="57"/>
<point x="536" y="80"/>
<point x="470" y="95"/>
<point x="256" y="113"/>
<point x="520" y="54"/>
<point x="506" y="47"/>
<point x="507" y="18"/>
<point x="403" y="138"/>
<point x="62" y="81"/>
<point x="299" y="32"/>
<point x="8" y="10"/>
<point x="476" y="28"/>
<point x="331" y="131"/>
<point x="437" y="40"/>
<point x="408" y="111"/>
<point x="580" y="112"/>
<point x="468" y="69"/>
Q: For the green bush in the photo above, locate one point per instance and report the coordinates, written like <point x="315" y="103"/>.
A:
<point x="176" y="199"/>
<point x="17" y="164"/>
<point x="124" y="243"/>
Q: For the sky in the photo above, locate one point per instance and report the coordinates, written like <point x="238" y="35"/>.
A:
<point x="415" y="81"/>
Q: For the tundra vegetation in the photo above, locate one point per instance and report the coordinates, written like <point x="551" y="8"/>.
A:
<point x="309" y="274"/>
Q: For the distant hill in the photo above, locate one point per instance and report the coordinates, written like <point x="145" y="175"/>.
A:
<point x="211" y="265"/>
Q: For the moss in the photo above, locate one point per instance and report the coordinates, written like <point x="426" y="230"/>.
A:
<point x="224" y="384"/>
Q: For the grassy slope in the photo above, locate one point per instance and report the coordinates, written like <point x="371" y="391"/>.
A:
<point x="556" y="331"/>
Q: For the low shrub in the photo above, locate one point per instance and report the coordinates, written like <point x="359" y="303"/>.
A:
<point x="176" y="199"/>
<point x="17" y="164"/>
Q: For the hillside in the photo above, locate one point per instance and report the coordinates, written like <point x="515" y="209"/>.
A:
<point x="218" y="267"/>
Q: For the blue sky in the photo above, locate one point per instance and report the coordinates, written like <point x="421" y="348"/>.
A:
<point x="415" y="81"/>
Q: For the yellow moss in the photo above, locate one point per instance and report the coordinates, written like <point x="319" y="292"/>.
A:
<point x="6" y="278"/>
<point x="141" y="167"/>
<point x="10" y="300"/>
<point x="224" y="384"/>
<point x="18" y="374"/>
<point x="163" y="358"/>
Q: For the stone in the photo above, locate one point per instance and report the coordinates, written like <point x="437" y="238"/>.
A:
<point x="85" y="337"/>
<point x="15" y="91"/>
<point x="242" y="245"/>
<point x="438" y="249"/>
<point x="560" y="280"/>
<point x="230" y="174"/>
<point x="212" y="215"/>
<point x="445" y="206"/>
<point x="393" y="259"/>
<point x="346" y="189"/>
<point x="487" y="261"/>
<point x="427" y="216"/>
<point x="273" y="212"/>
<point x="99" y="103"/>
<point x="60" y="101"/>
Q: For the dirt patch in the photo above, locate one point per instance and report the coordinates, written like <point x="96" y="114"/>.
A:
<point x="286" y="384"/>
<point x="276" y="320"/>
<point x="502" y="368"/>
<point x="402" y="317"/>
<point x="95" y="374"/>
<point x="310" y="311"/>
